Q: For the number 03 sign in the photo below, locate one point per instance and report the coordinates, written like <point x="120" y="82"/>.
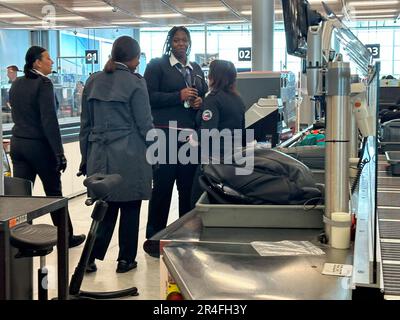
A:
<point x="374" y="49"/>
<point x="244" y="54"/>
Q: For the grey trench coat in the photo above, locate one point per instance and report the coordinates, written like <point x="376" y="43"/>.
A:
<point x="115" y="119"/>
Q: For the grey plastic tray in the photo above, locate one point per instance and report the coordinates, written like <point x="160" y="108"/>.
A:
<point x="319" y="175"/>
<point x="259" y="216"/>
<point x="393" y="157"/>
<point x="390" y="146"/>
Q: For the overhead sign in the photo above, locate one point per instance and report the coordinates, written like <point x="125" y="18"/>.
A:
<point x="91" y="56"/>
<point x="374" y="49"/>
<point x="244" y="54"/>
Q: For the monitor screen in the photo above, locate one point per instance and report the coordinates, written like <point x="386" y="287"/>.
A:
<point x="298" y="16"/>
<point x="252" y="89"/>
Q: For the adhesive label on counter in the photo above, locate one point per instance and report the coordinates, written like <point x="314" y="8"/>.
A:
<point x="335" y="269"/>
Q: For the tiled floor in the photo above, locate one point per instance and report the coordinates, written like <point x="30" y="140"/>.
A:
<point x="145" y="277"/>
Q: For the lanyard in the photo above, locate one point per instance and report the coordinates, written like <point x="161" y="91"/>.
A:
<point x="185" y="72"/>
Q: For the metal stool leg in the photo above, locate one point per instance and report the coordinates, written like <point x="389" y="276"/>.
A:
<point x="43" y="280"/>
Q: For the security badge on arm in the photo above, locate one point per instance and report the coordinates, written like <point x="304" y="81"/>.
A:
<point x="207" y="115"/>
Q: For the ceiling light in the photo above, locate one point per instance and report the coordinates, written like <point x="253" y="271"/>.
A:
<point x="375" y="16"/>
<point x="93" y="9"/>
<point x="205" y="9"/>
<point x="356" y="12"/>
<point x="68" y="18"/>
<point x="23" y="1"/>
<point x="320" y="1"/>
<point x="12" y="15"/>
<point x="31" y="22"/>
<point x="161" y="15"/>
<point x="371" y="3"/>
<point x="50" y="26"/>
<point x="15" y="28"/>
<point x="248" y="12"/>
<point x="129" y="22"/>
<point x="226" y="21"/>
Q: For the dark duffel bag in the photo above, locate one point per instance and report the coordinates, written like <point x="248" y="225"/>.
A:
<point x="276" y="179"/>
<point x="387" y="115"/>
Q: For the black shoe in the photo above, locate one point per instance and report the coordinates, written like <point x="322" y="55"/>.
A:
<point x="91" y="267"/>
<point x="125" y="266"/>
<point x="152" y="248"/>
<point x="76" y="240"/>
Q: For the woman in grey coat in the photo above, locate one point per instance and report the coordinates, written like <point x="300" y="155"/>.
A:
<point x="115" y="119"/>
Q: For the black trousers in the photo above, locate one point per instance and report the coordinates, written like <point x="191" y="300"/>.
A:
<point x="34" y="157"/>
<point x="164" y="177"/>
<point x="128" y="230"/>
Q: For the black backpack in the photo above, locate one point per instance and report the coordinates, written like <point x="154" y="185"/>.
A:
<point x="277" y="179"/>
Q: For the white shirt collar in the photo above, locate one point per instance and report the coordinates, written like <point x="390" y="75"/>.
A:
<point x="174" y="61"/>
<point x="122" y="64"/>
<point x="38" y="72"/>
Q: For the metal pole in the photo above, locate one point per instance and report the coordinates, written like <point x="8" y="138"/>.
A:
<point x="337" y="141"/>
<point x="205" y="42"/>
<point x="262" y="22"/>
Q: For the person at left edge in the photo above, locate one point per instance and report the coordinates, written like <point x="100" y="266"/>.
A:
<point x="36" y="147"/>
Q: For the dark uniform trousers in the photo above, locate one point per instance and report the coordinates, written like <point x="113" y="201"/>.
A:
<point x="31" y="157"/>
<point x="164" y="177"/>
<point x="128" y="230"/>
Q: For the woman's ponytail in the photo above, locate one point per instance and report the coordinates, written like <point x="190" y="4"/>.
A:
<point x="31" y="56"/>
<point x="110" y="66"/>
<point x="124" y="50"/>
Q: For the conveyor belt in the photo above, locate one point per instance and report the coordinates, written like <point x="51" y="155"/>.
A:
<point x="389" y="214"/>
<point x="387" y="181"/>
<point x="389" y="229"/>
<point x="389" y="198"/>
<point x="390" y="251"/>
<point x="391" y="278"/>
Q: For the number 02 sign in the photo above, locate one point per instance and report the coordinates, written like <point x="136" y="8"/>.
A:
<point x="374" y="49"/>
<point x="244" y="54"/>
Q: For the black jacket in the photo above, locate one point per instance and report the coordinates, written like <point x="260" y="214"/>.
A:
<point x="33" y="110"/>
<point x="223" y="111"/>
<point x="164" y="83"/>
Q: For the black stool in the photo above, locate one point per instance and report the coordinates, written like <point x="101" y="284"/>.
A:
<point x="99" y="187"/>
<point x="31" y="240"/>
<point x="35" y="241"/>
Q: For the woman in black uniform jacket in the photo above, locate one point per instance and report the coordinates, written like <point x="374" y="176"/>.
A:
<point x="176" y="88"/>
<point x="36" y="147"/>
<point x="223" y="109"/>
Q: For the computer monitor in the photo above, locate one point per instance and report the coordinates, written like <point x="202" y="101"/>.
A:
<point x="298" y="17"/>
<point x="255" y="85"/>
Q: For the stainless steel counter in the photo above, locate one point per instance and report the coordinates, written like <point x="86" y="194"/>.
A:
<point x="220" y="263"/>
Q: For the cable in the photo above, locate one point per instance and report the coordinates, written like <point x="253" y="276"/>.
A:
<point x="358" y="176"/>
